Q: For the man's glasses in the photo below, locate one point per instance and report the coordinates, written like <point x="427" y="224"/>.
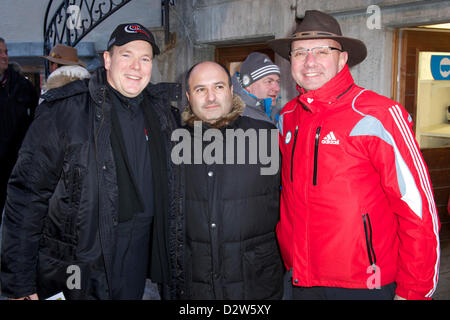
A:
<point x="317" y="52"/>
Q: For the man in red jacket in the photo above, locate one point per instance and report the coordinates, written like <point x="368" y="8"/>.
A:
<point x="358" y="218"/>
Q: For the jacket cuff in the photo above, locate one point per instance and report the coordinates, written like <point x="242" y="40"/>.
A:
<point x="410" y="294"/>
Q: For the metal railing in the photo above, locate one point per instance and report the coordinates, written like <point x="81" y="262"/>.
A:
<point x="72" y="20"/>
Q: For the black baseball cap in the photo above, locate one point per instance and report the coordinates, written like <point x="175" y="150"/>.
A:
<point x="128" y="32"/>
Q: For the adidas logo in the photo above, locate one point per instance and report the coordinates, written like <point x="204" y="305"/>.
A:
<point x="330" y="139"/>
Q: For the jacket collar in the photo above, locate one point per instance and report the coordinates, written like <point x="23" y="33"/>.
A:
<point x="97" y="85"/>
<point x="327" y="95"/>
<point x="64" y="75"/>
<point x="251" y="101"/>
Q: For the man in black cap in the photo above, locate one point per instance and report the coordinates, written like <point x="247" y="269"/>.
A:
<point x="358" y="218"/>
<point x="88" y="200"/>
<point x="258" y="85"/>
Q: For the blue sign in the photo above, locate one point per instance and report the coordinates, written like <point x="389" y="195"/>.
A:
<point x="440" y="67"/>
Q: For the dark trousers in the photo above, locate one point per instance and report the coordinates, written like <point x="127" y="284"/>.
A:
<point x="131" y="258"/>
<point x="386" y="292"/>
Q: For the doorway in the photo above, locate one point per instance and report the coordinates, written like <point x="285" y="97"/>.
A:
<point x="232" y="56"/>
<point x="426" y="96"/>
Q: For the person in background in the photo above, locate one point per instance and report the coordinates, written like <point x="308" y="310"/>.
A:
<point x="62" y="55"/>
<point x="18" y="100"/>
<point x="258" y="85"/>
<point x="358" y="218"/>
<point x="65" y="67"/>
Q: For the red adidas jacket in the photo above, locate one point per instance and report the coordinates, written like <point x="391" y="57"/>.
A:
<point x="357" y="208"/>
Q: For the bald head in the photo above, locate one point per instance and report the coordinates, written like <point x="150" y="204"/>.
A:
<point x="210" y="63"/>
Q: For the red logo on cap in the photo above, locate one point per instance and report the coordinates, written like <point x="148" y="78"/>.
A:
<point x="134" y="28"/>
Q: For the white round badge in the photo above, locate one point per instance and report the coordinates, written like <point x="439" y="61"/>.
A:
<point x="245" y="80"/>
<point x="288" y="137"/>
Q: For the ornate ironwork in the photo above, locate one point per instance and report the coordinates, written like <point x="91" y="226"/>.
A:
<point x="74" y="19"/>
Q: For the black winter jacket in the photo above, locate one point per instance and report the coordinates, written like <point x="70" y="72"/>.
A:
<point x="62" y="205"/>
<point x="231" y="212"/>
<point x="18" y="100"/>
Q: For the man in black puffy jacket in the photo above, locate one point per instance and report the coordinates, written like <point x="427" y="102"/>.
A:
<point x="93" y="190"/>
<point x="232" y="187"/>
<point x="18" y="99"/>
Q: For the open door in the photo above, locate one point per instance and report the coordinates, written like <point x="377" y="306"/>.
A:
<point x="421" y="83"/>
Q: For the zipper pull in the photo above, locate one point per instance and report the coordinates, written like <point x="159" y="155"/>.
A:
<point x="318" y="133"/>
<point x="146" y="134"/>
<point x="374" y="268"/>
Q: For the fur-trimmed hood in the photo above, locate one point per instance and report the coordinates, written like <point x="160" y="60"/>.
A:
<point x="238" y="108"/>
<point x="65" y="75"/>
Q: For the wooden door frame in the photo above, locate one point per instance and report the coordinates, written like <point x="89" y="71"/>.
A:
<point x="408" y="42"/>
<point x="233" y="53"/>
<point x="405" y="62"/>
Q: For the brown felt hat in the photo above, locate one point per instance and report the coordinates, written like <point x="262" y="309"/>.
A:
<point x="319" y="25"/>
<point x="64" y="55"/>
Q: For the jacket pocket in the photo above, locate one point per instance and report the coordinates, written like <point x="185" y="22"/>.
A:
<point x="369" y="243"/>
<point x="263" y="269"/>
<point x="51" y="275"/>
<point x="72" y="175"/>
<point x="76" y="187"/>
<point x="292" y="154"/>
<point x="316" y="154"/>
<point x="75" y="197"/>
<point x="57" y="249"/>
